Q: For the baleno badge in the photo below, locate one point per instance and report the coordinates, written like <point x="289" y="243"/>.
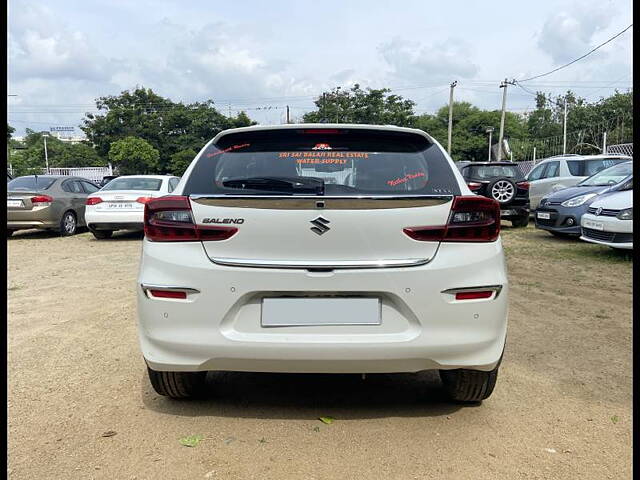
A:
<point x="223" y="220"/>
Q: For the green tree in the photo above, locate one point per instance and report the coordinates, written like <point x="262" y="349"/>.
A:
<point x="376" y="107"/>
<point x="133" y="155"/>
<point x="169" y="127"/>
<point x="181" y="160"/>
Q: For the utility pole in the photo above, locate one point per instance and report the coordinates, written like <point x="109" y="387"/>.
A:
<point x="324" y="107"/>
<point x="46" y="157"/>
<point x="288" y="114"/>
<point x="504" y="105"/>
<point x="489" y="131"/>
<point x="452" y="86"/>
<point x="534" y="155"/>
<point x="604" y="142"/>
<point x="337" y="104"/>
<point x="564" y="133"/>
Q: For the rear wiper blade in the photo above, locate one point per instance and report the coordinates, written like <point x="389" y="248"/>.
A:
<point x="292" y="184"/>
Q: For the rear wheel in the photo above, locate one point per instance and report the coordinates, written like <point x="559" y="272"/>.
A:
<point x="68" y="224"/>
<point x="177" y="384"/>
<point x="502" y="190"/>
<point x="522" y="221"/>
<point x="102" y="234"/>
<point x="463" y="385"/>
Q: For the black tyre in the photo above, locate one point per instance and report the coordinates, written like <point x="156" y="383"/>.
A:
<point x="522" y="221"/>
<point x="463" y="385"/>
<point x="177" y="384"/>
<point x="102" y="234"/>
<point x="68" y="224"/>
<point x="503" y="190"/>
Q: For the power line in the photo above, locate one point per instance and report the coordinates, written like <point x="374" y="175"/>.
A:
<point x="579" y="58"/>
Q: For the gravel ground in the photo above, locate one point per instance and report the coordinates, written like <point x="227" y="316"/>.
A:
<point x="81" y="407"/>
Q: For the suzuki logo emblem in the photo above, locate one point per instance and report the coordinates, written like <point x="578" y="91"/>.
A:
<point x="598" y="210"/>
<point x="320" y="225"/>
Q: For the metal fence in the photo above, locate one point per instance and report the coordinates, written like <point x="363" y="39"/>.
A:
<point x="623" y="148"/>
<point x="94" y="174"/>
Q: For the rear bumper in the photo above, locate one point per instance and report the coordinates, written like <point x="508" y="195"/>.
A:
<point x="511" y="212"/>
<point x="116" y="226"/>
<point x="42" y="217"/>
<point x="98" y="220"/>
<point x="218" y="328"/>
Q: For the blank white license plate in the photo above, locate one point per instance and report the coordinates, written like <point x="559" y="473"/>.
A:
<point x="544" y="215"/>
<point x="289" y="312"/>
<point x="593" y="225"/>
<point x="15" y="203"/>
<point x="121" y="206"/>
<point x="504" y="213"/>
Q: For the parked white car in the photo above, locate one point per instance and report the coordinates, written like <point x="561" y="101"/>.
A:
<point x="556" y="173"/>
<point x="119" y="205"/>
<point x="384" y="262"/>
<point x="609" y="220"/>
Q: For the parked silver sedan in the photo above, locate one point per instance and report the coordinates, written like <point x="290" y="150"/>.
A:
<point x="47" y="202"/>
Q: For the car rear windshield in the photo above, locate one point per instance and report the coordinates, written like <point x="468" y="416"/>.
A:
<point x="345" y="162"/>
<point x="492" y="171"/>
<point x="30" y="183"/>
<point x="586" y="168"/>
<point x="133" y="183"/>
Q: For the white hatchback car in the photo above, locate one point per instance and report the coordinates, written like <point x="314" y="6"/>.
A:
<point x="609" y="220"/>
<point x="119" y="205"/>
<point x="556" y="173"/>
<point x="322" y="249"/>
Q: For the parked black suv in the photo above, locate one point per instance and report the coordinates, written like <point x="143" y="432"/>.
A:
<point x="502" y="181"/>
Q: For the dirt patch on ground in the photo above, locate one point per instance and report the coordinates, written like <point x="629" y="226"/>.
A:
<point x="80" y="405"/>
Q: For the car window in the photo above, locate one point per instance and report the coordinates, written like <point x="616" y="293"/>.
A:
<point x="134" y="183"/>
<point x="348" y="162"/>
<point x="173" y="183"/>
<point x="74" y="186"/>
<point x="609" y="176"/>
<point x="89" y="187"/>
<point x="536" y="173"/>
<point x="492" y="171"/>
<point x="30" y="183"/>
<point x="575" y="167"/>
<point x="551" y="170"/>
<point x="597" y="164"/>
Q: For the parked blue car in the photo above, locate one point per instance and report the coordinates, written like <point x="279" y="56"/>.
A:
<point x="559" y="213"/>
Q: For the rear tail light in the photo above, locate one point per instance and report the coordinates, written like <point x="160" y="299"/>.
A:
<point x="472" y="219"/>
<point x="93" y="200"/>
<point x="473" y="186"/>
<point x="144" y="199"/>
<point x="523" y="185"/>
<point x="168" y="294"/>
<point x="169" y="219"/>
<point x="41" y="200"/>
<point x="473" y="295"/>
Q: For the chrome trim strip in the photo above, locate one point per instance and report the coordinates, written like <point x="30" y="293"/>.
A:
<point x="311" y="202"/>
<point x="320" y="264"/>
<point x="147" y="286"/>
<point x="453" y="291"/>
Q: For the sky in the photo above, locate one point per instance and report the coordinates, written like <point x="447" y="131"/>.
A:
<point x="260" y="56"/>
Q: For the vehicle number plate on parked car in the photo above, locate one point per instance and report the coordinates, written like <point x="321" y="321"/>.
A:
<point x="593" y="225"/>
<point x="289" y="312"/>
<point x="14" y="203"/>
<point x="544" y="215"/>
<point x="504" y="213"/>
<point x="121" y="205"/>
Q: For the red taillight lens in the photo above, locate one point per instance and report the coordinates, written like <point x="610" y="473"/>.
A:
<point x="41" y="199"/>
<point x="473" y="186"/>
<point x="523" y="185"/>
<point x="144" y="199"/>
<point x="168" y="294"/>
<point x="472" y="219"/>
<point x="323" y="130"/>
<point x="169" y="219"/>
<point x="473" y="295"/>
<point x="93" y="200"/>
